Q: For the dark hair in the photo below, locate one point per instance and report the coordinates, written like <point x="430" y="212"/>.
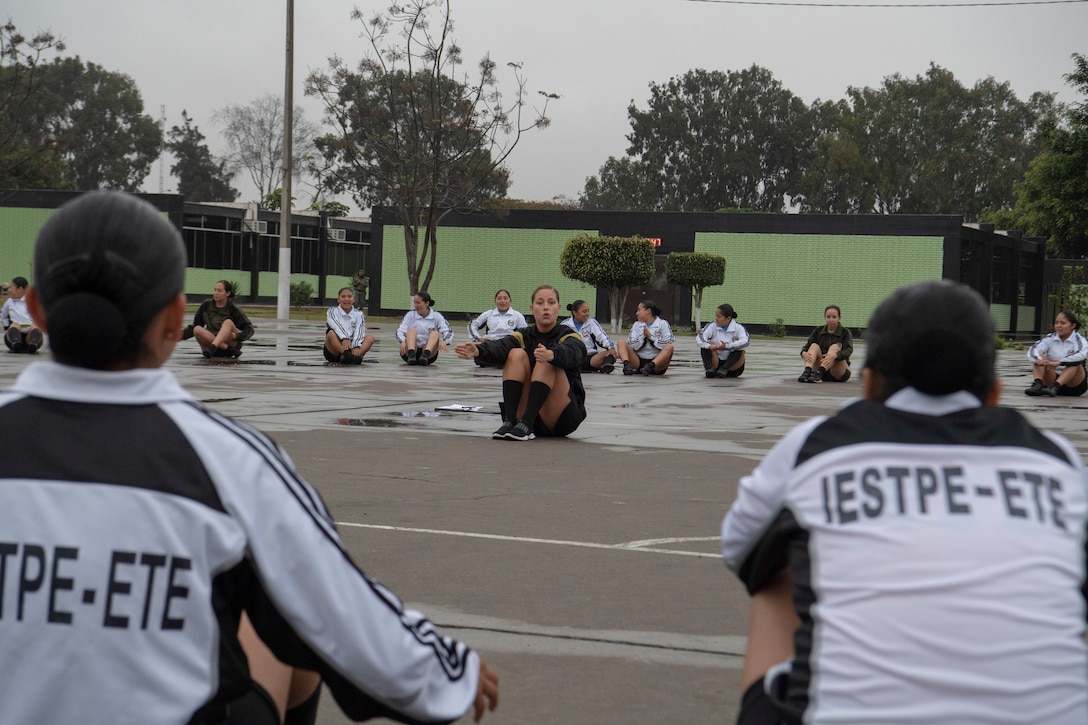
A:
<point x="651" y="306"/>
<point x="1068" y="315"/>
<point x="426" y="297"/>
<point x="19" y="281"/>
<point x="544" y="286"/>
<point x="500" y="292"/>
<point x="727" y="310"/>
<point x="936" y="336"/>
<point x="576" y="305"/>
<point x="833" y="307"/>
<point x="349" y="289"/>
<point x="227" y="287"/>
<point x="106" y="263"/>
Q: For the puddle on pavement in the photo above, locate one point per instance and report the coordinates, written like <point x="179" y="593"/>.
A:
<point x="389" y="422"/>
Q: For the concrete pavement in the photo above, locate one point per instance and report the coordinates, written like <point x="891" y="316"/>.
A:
<point x="584" y="570"/>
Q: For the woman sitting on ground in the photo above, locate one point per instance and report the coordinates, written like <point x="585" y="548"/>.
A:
<point x="1057" y="361"/>
<point x="497" y="322"/>
<point x="722" y="344"/>
<point x="346" y="339"/>
<point x="200" y="521"/>
<point x="21" y="333"/>
<point x="541" y="373"/>
<point x="423" y="332"/>
<point x="601" y="353"/>
<point x="219" y="326"/>
<point x="648" y="349"/>
<point x="827" y="351"/>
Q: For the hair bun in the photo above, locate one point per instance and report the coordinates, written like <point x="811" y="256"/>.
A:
<point x="86" y="329"/>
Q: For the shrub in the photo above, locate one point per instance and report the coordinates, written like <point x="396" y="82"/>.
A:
<point x="778" y="327"/>
<point x="301" y="294"/>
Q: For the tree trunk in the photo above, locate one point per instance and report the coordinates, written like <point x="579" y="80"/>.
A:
<point x="430" y="249"/>
<point x="615" y="308"/>
<point x="411" y="241"/>
<point x="698" y="309"/>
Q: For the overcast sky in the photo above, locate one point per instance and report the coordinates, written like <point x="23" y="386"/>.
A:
<point x="598" y="55"/>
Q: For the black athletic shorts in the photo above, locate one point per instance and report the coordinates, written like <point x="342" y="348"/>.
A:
<point x="256" y="707"/>
<point x="1074" y="390"/>
<point x="832" y="379"/>
<point x="568" y="422"/>
<point x="643" y="363"/>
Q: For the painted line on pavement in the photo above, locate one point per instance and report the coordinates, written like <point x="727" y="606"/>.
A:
<point x="630" y="546"/>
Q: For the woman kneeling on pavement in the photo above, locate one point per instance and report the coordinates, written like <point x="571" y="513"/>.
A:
<point x="541" y="373"/>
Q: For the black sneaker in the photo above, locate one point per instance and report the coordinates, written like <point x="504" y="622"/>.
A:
<point x="607" y="368"/>
<point x="506" y="427"/>
<point x="710" y="373"/>
<point x="1052" y="390"/>
<point x="15" y="340"/>
<point x="648" y="369"/>
<point x="34" y="340"/>
<point x="520" y="432"/>
<point x="424" y="358"/>
<point x="804" y="377"/>
<point x="817" y="376"/>
<point x="410" y="357"/>
<point x="207" y="353"/>
<point x="1036" y="389"/>
<point x="344" y="357"/>
<point x="628" y="368"/>
<point x="234" y="352"/>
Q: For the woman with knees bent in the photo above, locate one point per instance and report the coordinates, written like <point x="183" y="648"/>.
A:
<point x="541" y="373"/>
<point x="346" y="338"/>
<point x="648" y="349"/>
<point x="722" y="344"/>
<point x="196" y="521"/>
<point x="827" y="351"/>
<point x="423" y="331"/>
<point x="219" y="326"/>
<point x="496" y="322"/>
<point x="1057" y="361"/>
<point x="601" y="353"/>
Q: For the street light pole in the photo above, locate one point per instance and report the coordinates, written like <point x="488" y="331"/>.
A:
<point x="283" y="297"/>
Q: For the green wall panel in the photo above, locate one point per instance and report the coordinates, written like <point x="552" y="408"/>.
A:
<point x="474" y="263"/>
<point x="794" y="276"/>
<point x="18" y="232"/>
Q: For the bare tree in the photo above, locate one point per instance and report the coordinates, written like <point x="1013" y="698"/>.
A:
<point x="255" y="136"/>
<point x="414" y="132"/>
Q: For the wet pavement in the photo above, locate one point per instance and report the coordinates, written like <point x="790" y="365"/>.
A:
<point x="585" y="570"/>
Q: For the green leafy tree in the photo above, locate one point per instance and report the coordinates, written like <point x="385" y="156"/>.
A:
<point x="331" y="208"/>
<point x="413" y="131"/>
<point x="200" y="176"/>
<point x="926" y="145"/>
<point x="29" y="157"/>
<point x="97" y="119"/>
<point x="697" y="270"/>
<point x="709" y="140"/>
<point x="255" y="135"/>
<point x="622" y="185"/>
<point x="274" y="200"/>
<point x="1053" y="199"/>
<point x="615" y="263"/>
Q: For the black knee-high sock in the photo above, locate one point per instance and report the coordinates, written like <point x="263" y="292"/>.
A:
<point x="708" y="358"/>
<point x="511" y="398"/>
<point x="538" y="393"/>
<point x="305" y="713"/>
